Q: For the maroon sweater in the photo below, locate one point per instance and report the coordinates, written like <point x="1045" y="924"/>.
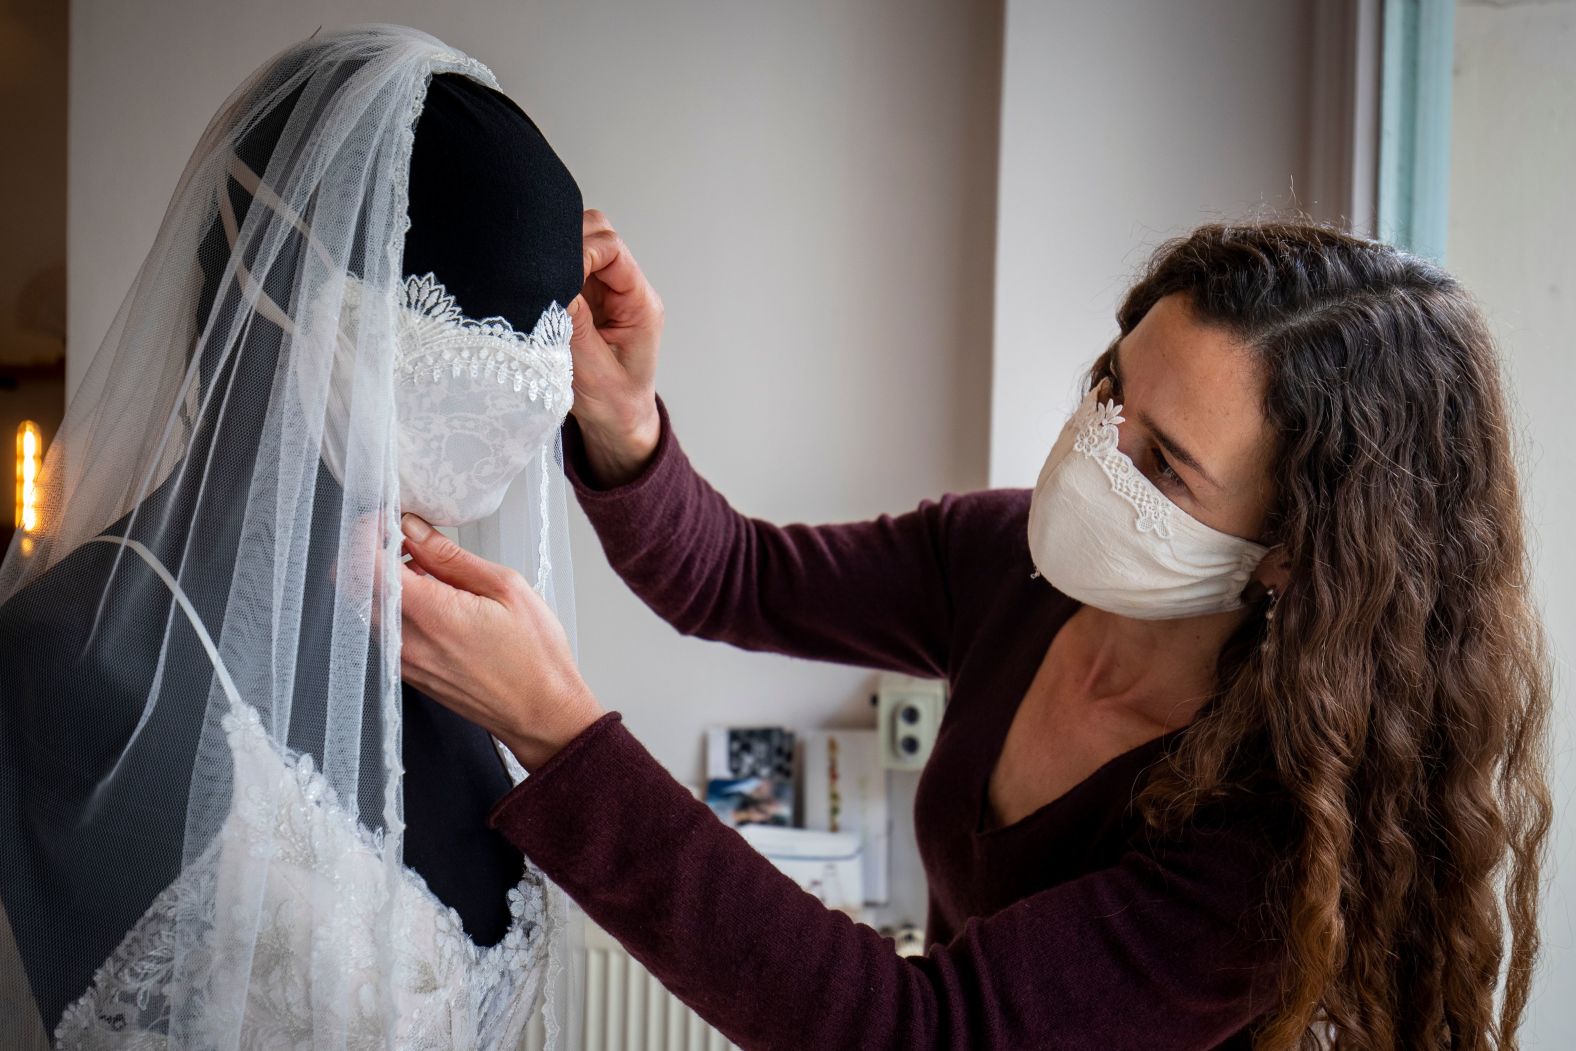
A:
<point x="1071" y="928"/>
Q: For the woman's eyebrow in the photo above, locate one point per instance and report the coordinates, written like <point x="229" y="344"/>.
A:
<point x="1175" y="449"/>
<point x="1178" y="452"/>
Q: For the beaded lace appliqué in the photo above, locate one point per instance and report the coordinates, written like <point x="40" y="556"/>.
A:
<point x="1097" y="437"/>
<point x="474" y="400"/>
<point x="436" y="338"/>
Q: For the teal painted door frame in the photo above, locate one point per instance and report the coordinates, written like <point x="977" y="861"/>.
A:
<point x="1414" y="125"/>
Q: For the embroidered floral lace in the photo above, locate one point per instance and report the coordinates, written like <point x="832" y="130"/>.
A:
<point x="1096" y="437"/>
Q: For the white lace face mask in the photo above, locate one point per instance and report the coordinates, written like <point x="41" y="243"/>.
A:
<point x="1102" y="533"/>
<point x="473" y="400"/>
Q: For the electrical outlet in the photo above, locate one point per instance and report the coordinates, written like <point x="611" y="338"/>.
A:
<point x="908" y="716"/>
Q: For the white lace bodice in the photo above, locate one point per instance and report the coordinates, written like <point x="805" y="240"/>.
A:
<point x="346" y="942"/>
<point x="318" y="877"/>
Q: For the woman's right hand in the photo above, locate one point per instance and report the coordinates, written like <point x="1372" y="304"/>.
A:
<point x="617" y="330"/>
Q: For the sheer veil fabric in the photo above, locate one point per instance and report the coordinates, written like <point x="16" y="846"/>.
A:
<point x="201" y="779"/>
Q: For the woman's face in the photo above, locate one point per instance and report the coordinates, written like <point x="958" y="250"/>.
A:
<point x="1195" y="426"/>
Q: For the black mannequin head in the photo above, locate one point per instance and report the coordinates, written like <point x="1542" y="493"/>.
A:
<point x="494" y="214"/>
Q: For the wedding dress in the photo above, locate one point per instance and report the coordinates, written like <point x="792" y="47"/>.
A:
<point x="216" y="832"/>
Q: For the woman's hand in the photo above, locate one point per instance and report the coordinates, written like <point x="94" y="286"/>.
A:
<point x="480" y="640"/>
<point x="617" y="330"/>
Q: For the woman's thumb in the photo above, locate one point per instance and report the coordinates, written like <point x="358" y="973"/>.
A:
<point x="584" y="339"/>
<point x="442" y="558"/>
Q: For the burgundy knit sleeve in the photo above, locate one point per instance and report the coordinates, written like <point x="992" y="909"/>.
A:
<point x="873" y="594"/>
<point x="1152" y="953"/>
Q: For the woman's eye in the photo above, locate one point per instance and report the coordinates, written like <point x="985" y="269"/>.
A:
<point x="1164" y="471"/>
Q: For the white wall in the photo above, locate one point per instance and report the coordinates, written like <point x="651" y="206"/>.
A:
<point x="1123" y="124"/>
<point x="809" y="185"/>
<point x="1513" y="164"/>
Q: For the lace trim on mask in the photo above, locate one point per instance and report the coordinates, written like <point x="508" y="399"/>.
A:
<point x="436" y="338"/>
<point x="1096" y="438"/>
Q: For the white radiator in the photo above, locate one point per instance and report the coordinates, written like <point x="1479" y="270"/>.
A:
<point x="626" y="1009"/>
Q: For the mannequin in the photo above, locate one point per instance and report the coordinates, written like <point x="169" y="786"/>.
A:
<point x="496" y="218"/>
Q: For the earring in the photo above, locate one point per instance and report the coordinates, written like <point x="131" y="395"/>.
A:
<point x="1274" y="597"/>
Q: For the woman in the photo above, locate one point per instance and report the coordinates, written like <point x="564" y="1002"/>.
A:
<point x="224" y="820"/>
<point x="1244" y="744"/>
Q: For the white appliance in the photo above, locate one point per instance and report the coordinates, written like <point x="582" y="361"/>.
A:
<point x="827" y="864"/>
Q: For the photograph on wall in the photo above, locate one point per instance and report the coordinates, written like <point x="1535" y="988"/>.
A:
<point x="750" y="774"/>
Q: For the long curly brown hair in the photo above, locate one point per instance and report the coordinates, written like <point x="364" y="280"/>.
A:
<point x="1399" y="695"/>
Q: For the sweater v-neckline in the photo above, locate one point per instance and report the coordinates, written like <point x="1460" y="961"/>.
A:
<point x="1052" y="612"/>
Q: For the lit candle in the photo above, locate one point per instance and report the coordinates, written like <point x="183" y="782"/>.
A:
<point x="29" y="450"/>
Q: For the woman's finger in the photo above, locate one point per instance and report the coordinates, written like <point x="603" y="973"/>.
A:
<point x="593" y="221"/>
<point x="608" y="259"/>
<point x="450" y="563"/>
<point x="417" y="598"/>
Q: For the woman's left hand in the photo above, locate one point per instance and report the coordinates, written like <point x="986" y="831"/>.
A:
<point x="480" y="640"/>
